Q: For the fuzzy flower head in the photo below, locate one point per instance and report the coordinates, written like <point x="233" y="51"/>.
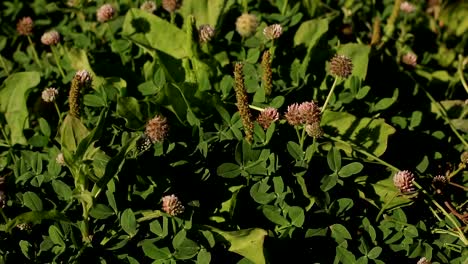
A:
<point x="60" y="159"/>
<point x="25" y="26"/>
<point x="293" y="115"/>
<point x="341" y="66"/>
<point x="310" y="113"/>
<point x="171" y="205"/>
<point x="148" y="6"/>
<point x="423" y="260"/>
<point x="171" y="5"/>
<point x="49" y="94"/>
<point x="157" y="129"/>
<point x="246" y="25"/>
<point x="403" y="180"/>
<point x="267" y="116"/>
<point x="407" y="7"/>
<point x="205" y="33"/>
<point x="273" y="31"/>
<point x="50" y="38"/>
<point x="105" y="13"/>
<point x="410" y="59"/>
<point x="83" y="77"/>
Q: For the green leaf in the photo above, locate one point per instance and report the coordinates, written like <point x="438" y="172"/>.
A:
<point x="72" y="132"/>
<point x="44" y="126"/>
<point x="389" y="195"/>
<point x="32" y="201"/>
<point x="339" y="233"/>
<point x="56" y="236"/>
<point x="94" y="100"/>
<point x="374" y="253"/>
<point x="128" y="222"/>
<point x="101" y="211"/>
<point x="228" y="170"/>
<point x="344" y="256"/>
<point x="359" y="54"/>
<point x="350" y="169"/>
<point x="155" y="253"/>
<point x="63" y="191"/>
<point x="247" y="243"/>
<point x="273" y="214"/>
<point x="205" y="11"/>
<point x="144" y="29"/>
<point x="203" y="257"/>
<point x="296" y="214"/>
<point x="129" y="109"/>
<point x="309" y="32"/>
<point x="370" y="134"/>
<point x="295" y="150"/>
<point x="13" y="96"/>
<point x="25" y="246"/>
<point x="334" y="159"/>
<point x="35" y="217"/>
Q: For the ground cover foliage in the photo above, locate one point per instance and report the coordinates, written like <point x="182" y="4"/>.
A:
<point x="212" y="131"/>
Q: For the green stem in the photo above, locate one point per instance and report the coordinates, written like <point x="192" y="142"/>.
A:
<point x="303" y="136"/>
<point x="283" y="8"/>
<point x="461" y="166"/>
<point x="173" y="18"/>
<point x="461" y="66"/>
<point x="5" y="218"/>
<point x="385" y="206"/>
<point x="4" y="65"/>
<point x="329" y="94"/>
<point x="445" y="117"/>
<point x="256" y="108"/>
<point x="54" y="52"/>
<point x="245" y="6"/>
<point x="36" y="57"/>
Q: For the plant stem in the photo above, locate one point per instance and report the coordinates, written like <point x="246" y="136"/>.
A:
<point x="54" y="52"/>
<point x="329" y="94"/>
<point x="4" y="65"/>
<point x="36" y="57"/>
<point x="256" y="108"/>
<point x="461" y="66"/>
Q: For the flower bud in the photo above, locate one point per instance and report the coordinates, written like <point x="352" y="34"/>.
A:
<point x="49" y="94"/>
<point x="24" y="26"/>
<point x="50" y="38"/>
<point x="148" y="6"/>
<point x="341" y="66"/>
<point x="407" y="7"/>
<point x="171" y="205"/>
<point x="410" y="59"/>
<point x="105" y="13"/>
<point x="273" y="31"/>
<point x="246" y="25"/>
<point x="205" y="33"/>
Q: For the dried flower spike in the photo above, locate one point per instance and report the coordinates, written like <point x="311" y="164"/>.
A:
<point x="267" y="73"/>
<point x="157" y="129"/>
<point x="403" y="180"/>
<point x="50" y="38"/>
<point x="205" y="33"/>
<point x="246" y="25"/>
<point x="267" y="117"/>
<point x="171" y="205"/>
<point x="341" y="66"/>
<point x="243" y="101"/>
<point x="49" y="94"/>
<point x="423" y="260"/>
<point x="83" y="77"/>
<point x="149" y="6"/>
<point x="25" y="26"/>
<point x="407" y="7"/>
<point x="273" y="31"/>
<point x="171" y="5"/>
<point x="410" y="59"/>
<point x="105" y="13"/>
<point x="81" y="80"/>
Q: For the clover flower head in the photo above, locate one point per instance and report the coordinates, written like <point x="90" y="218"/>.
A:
<point x="157" y="129"/>
<point x="83" y="77"/>
<point x="246" y="25"/>
<point x="205" y="33"/>
<point x="171" y="5"/>
<point x="410" y="59"/>
<point x="25" y="26"/>
<point x="267" y="117"/>
<point x="341" y="66"/>
<point x="49" y="94"/>
<point x="171" y="205"/>
<point x="105" y="13"/>
<point x="423" y="260"/>
<point x="50" y="38"/>
<point x="407" y="7"/>
<point x="60" y="159"/>
<point x="403" y="180"/>
<point x="314" y="130"/>
<point x="273" y="31"/>
<point x="310" y="113"/>
<point x="293" y="115"/>
<point x="148" y="6"/>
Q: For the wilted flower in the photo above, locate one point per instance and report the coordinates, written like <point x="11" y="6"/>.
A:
<point x="105" y="13"/>
<point x="24" y="26"/>
<point x="403" y="180"/>
<point x="171" y="5"/>
<point x="341" y="66"/>
<point x="205" y="33"/>
<point x="157" y="129"/>
<point x="267" y="116"/>
<point x="50" y="38"/>
<point x="423" y="260"/>
<point x="293" y="115"/>
<point x="171" y="205"/>
<point x="273" y="31"/>
<point x="407" y="7"/>
<point x="439" y="183"/>
<point x="246" y="25"/>
<point x="60" y="159"/>
<point x="83" y="77"/>
<point x="148" y="6"/>
<point x="410" y="59"/>
<point x="49" y="94"/>
<point x="314" y="130"/>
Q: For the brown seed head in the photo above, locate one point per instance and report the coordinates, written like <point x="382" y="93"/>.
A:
<point x="273" y="31"/>
<point x="50" y="38"/>
<point x="105" y="13"/>
<point x="341" y="66"/>
<point x="243" y="101"/>
<point x="25" y="26"/>
<point x="171" y="5"/>
<point x="157" y="129"/>
<point x="267" y="73"/>
<point x="171" y="205"/>
<point x="205" y="33"/>
<point x="267" y="116"/>
<point x="314" y="130"/>
<point x="403" y="180"/>
<point x="49" y="94"/>
<point x="246" y="25"/>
